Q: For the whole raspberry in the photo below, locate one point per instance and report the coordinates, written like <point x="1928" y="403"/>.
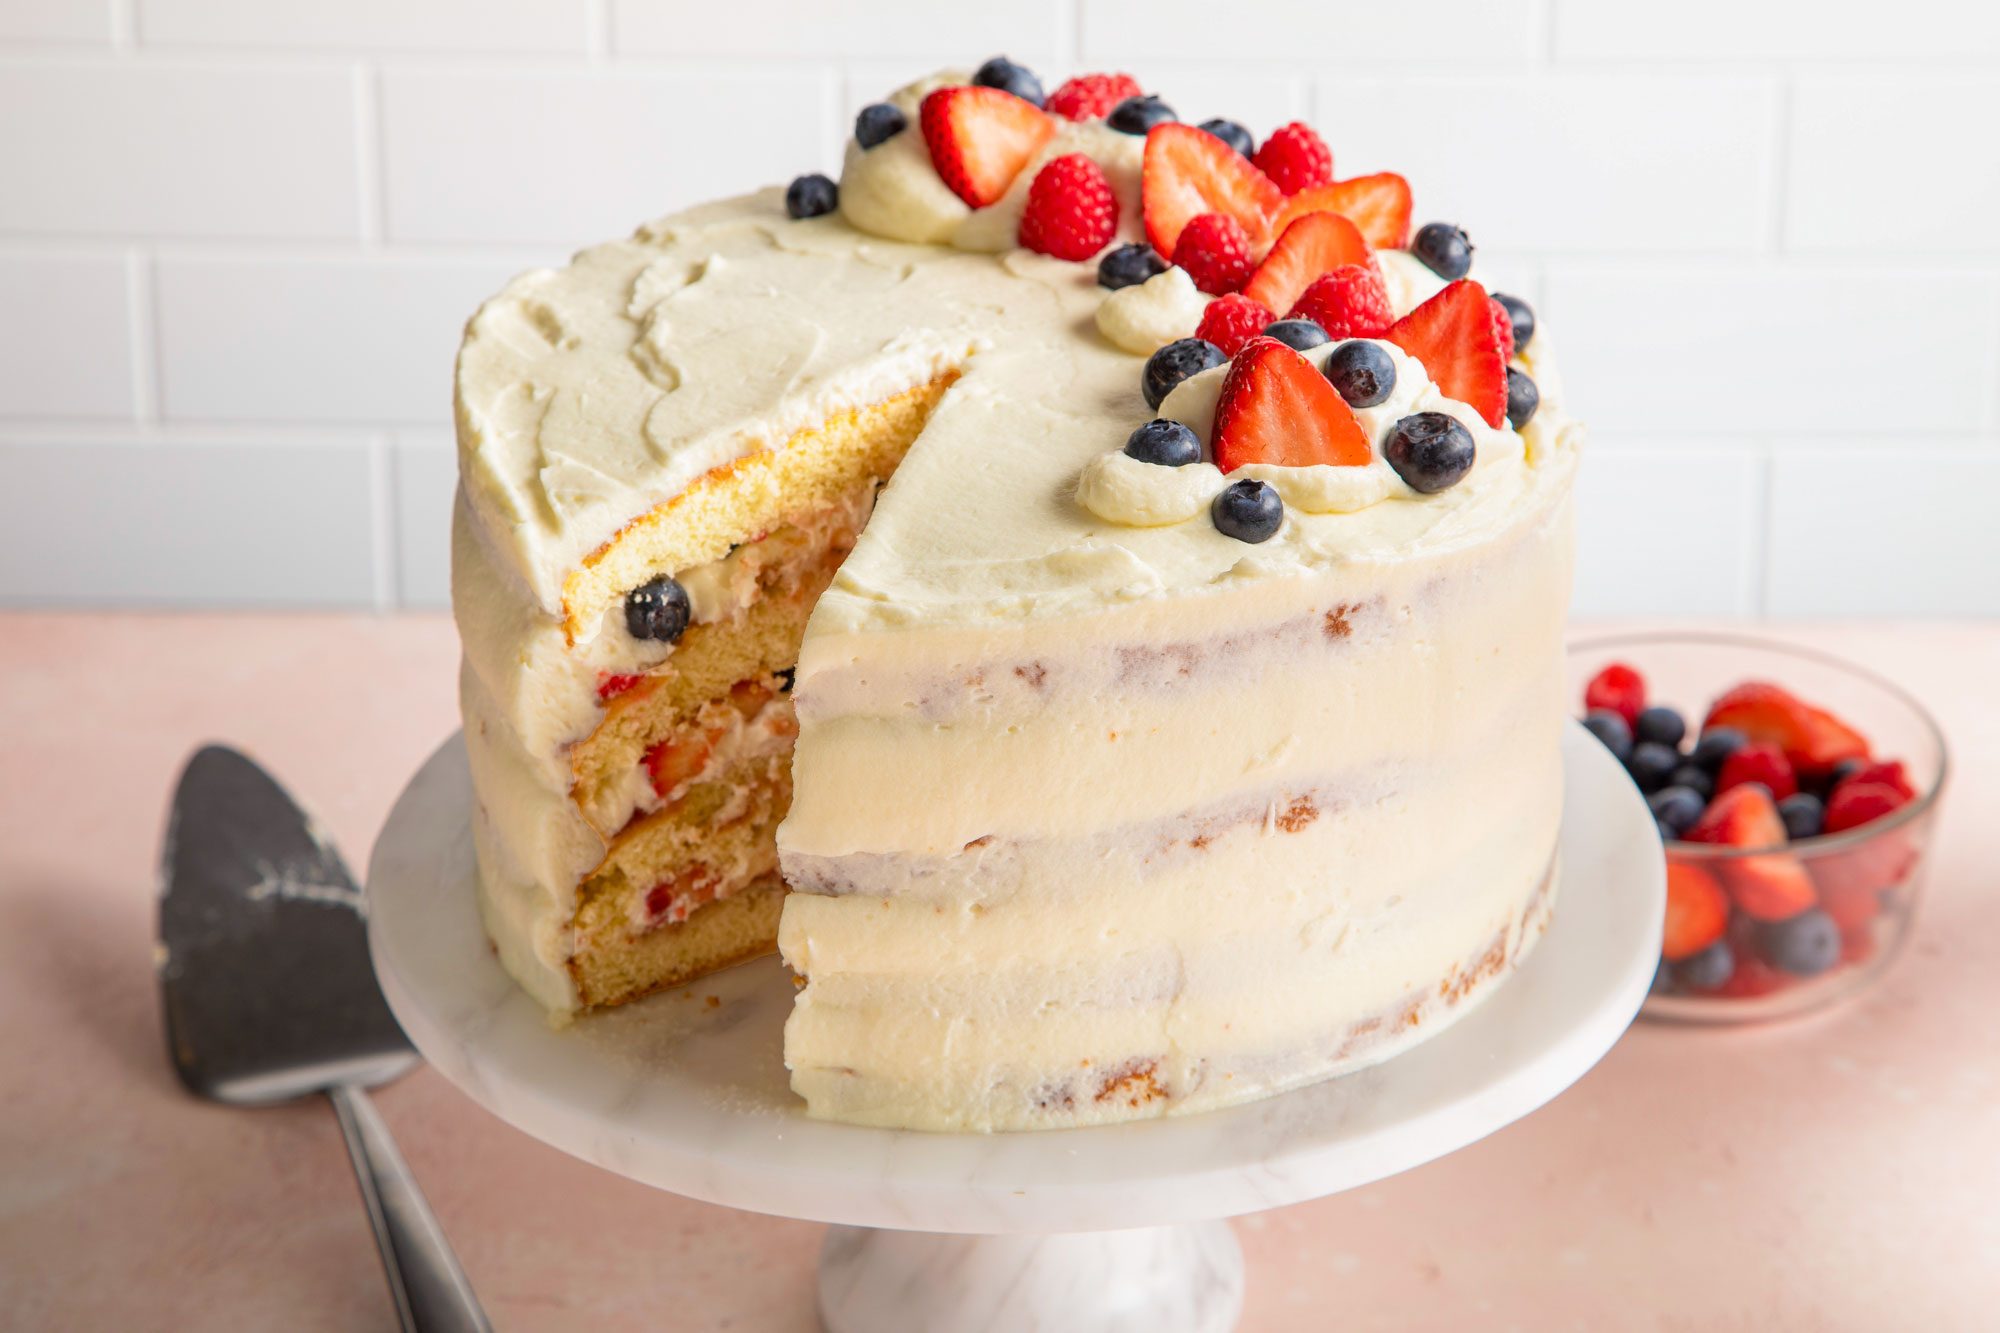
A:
<point x="1071" y="211"/>
<point x="1295" y="158"/>
<point x="1215" y="252"/>
<point x="1091" y="96"/>
<point x="1231" y="321"/>
<point x="1503" y="324"/>
<point x="1349" y="302"/>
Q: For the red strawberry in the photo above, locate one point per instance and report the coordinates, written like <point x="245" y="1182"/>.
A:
<point x="671" y="763"/>
<point x="1697" y="911"/>
<point x="1758" y="761"/>
<point x="1856" y="803"/>
<point x="1349" y="302"/>
<point x="1878" y="862"/>
<point x="1503" y="325"/>
<point x="1379" y="205"/>
<point x="1890" y="773"/>
<point x="1215" y="253"/>
<point x="1771" y="887"/>
<point x="1743" y="816"/>
<point x="980" y="138"/>
<point x="1188" y="172"/>
<point x="1091" y="96"/>
<point x="1295" y="158"/>
<point x="1851" y="904"/>
<point x="1813" y="739"/>
<point x="1315" y="244"/>
<point x="609" y="686"/>
<point x="1453" y="335"/>
<point x="1277" y="408"/>
<point x="1071" y="211"/>
<point x="1232" y="321"/>
<point x="1619" y="689"/>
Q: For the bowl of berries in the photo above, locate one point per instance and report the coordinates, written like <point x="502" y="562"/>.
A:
<point x="1795" y="796"/>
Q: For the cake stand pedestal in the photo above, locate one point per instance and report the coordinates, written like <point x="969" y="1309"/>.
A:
<point x="1081" y="1230"/>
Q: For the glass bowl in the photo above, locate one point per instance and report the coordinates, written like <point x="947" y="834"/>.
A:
<point x="1867" y="878"/>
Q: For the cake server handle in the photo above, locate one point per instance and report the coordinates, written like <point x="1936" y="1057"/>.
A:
<point x="431" y="1291"/>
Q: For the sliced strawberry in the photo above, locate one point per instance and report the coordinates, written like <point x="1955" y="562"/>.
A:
<point x="1856" y="803"/>
<point x="1889" y="773"/>
<point x="1277" y="408"/>
<point x="1813" y="739"/>
<point x="610" y="686"/>
<point x="672" y="764"/>
<point x="981" y="138"/>
<point x="1315" y="244"/>
<point x="1619" y="689"/>
<point x="1773" y="887"/>
<point x="1188" y="172"/>
<point x="1697" y="911"/>
<point x="1230" y="322"/>
<point x="1379" y="205"/>
<point x="1453" y="335"/>
<point x="1743" y="816"/>
<point x="1758" y="761"/>
<point x="1851" y="904"/>
<point x="1875" y="865"/>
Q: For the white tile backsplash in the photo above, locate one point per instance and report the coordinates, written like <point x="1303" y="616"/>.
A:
<point x="238" y="239"/>
<point x="66" y="336"/>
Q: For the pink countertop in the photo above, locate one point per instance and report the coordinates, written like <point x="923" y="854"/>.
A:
<point x="1838" y="1172"/>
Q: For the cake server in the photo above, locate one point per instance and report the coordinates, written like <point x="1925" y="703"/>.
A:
<point x="270" y="996"/>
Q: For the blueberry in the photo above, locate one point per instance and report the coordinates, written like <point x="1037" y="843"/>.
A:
<point x="1676" y="807"/>
<point x="1651" y="765"/>
<point x="1364" y="375"/>
<point x="1668" y="833"/>
<point x="1136" y="115"/>
<point x="787" y="677"/>
<point x="1301" y="335"/>
<point x="1174" y="363"/>
<point x="878" y="124"/>
<point x="1715" y="745"/>
<point x="1842" y="771"/>
<point x="1804" y="816"/>
<point x="1232" y="134"/>
<point x="1129" y="265"/>
<point x="1707" y="969"/>
<point x="1611" y="730"/>
<point x="1429" y="450"/>
<point x="1522" y="398"/>
<point x="1804" y="945"/>
<point x="1008" y="77"/>
<point x="1445" y="250"/>
<point x="810" y="196"/>
<point x="1521" y="315"/>
<point x="657" y="610"/>
<point x="1168" y="443"/>
<point x="1249" y="511"/>
<point x="1694" y="779"/>
<point x="1660" y="723"/>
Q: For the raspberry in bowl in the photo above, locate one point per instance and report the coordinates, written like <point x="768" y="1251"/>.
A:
<point x="1795" y="796"/>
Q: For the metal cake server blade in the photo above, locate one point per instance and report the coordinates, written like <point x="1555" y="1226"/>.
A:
<point x="269" y="996"/>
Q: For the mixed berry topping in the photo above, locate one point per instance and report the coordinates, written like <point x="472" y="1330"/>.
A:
<point x="1301" y="335"/>
<point x="1444" y="249"/>
<point x="980" y="138"/>
<point x="1277" y="408"/>
<point x="1129" y="265"/>
<point x="1431" y="451"/>
<point x="1315" y="244"/>
<point x="1187" y="172"/>
<point x="1003" y="74"/>
<point x="658" y="610"/>
<point x="1214" y="251"/>
<point x="878" y="124"/>
<point x="811" y="196"/>
<point x="1249" y="511"/>
<point x="1176" y="362"/>
<point x="1230" y="322"/>
<point x="1230" y="133"/>
<point x="1362" y="373"/>
<point x="1071" y="212"/>
<point x="1137" y="115"/>
<point x="1091" y="96"/>
<point x="1295" y="158"/>
<point x="1379" y="205"/>
<point x="1167" y="443"/>
<point x="1454" y="335"/>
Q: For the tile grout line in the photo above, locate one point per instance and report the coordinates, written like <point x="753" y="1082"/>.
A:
<point x="124" y="25"/>
<point x="598" y="39"/>
<point x="370" y="191"/>
<point x="1781" y="162"/>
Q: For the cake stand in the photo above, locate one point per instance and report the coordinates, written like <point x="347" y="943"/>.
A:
<point x="1115" y="1227"/>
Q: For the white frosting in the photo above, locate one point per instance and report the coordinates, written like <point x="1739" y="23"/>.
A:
<point x="1119" y="487"/>
<point x="1148" y="315"/>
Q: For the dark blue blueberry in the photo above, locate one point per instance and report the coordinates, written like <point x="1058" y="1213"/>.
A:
<point x="878" y="124"/>
<point x="1659" y="723"/>
<point x="1249" y="511"/>
<point x="1715" y="745"/>
<point x="1707" y="969"/>
<point x="1841" y="772"/>
<point x="1522" y="398"/>
<point x="1129" y="265"/>
<point x="1445" y="250"/>
<point x="1008" y="77"/>
<point x="1301" y="335"/>
<point x="1804" y="815"/>
<point x="1676" y="807"/>
<point x="657" y="610"/>
<point x="811" y="196"/>
<point x="1521" y="315"/>
<point x="1651" y="765"/>
<point x="1696" y="780"/>
<point x="786" y="678"/>
<point x="1804" y="945"/>
<point x="1232" y="134"/>
<point x="1611" y="729"/>
<point x="1136" y="115"/>
<point x="1668" y="833"/>
<point x="1429" y="450"/>
<point x="1168" y="443"/>
<point x="1363" y="373"/>
<point x="1174" y="363"/>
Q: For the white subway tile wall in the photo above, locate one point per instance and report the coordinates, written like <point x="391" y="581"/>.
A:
<point x="238" y="240"/>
